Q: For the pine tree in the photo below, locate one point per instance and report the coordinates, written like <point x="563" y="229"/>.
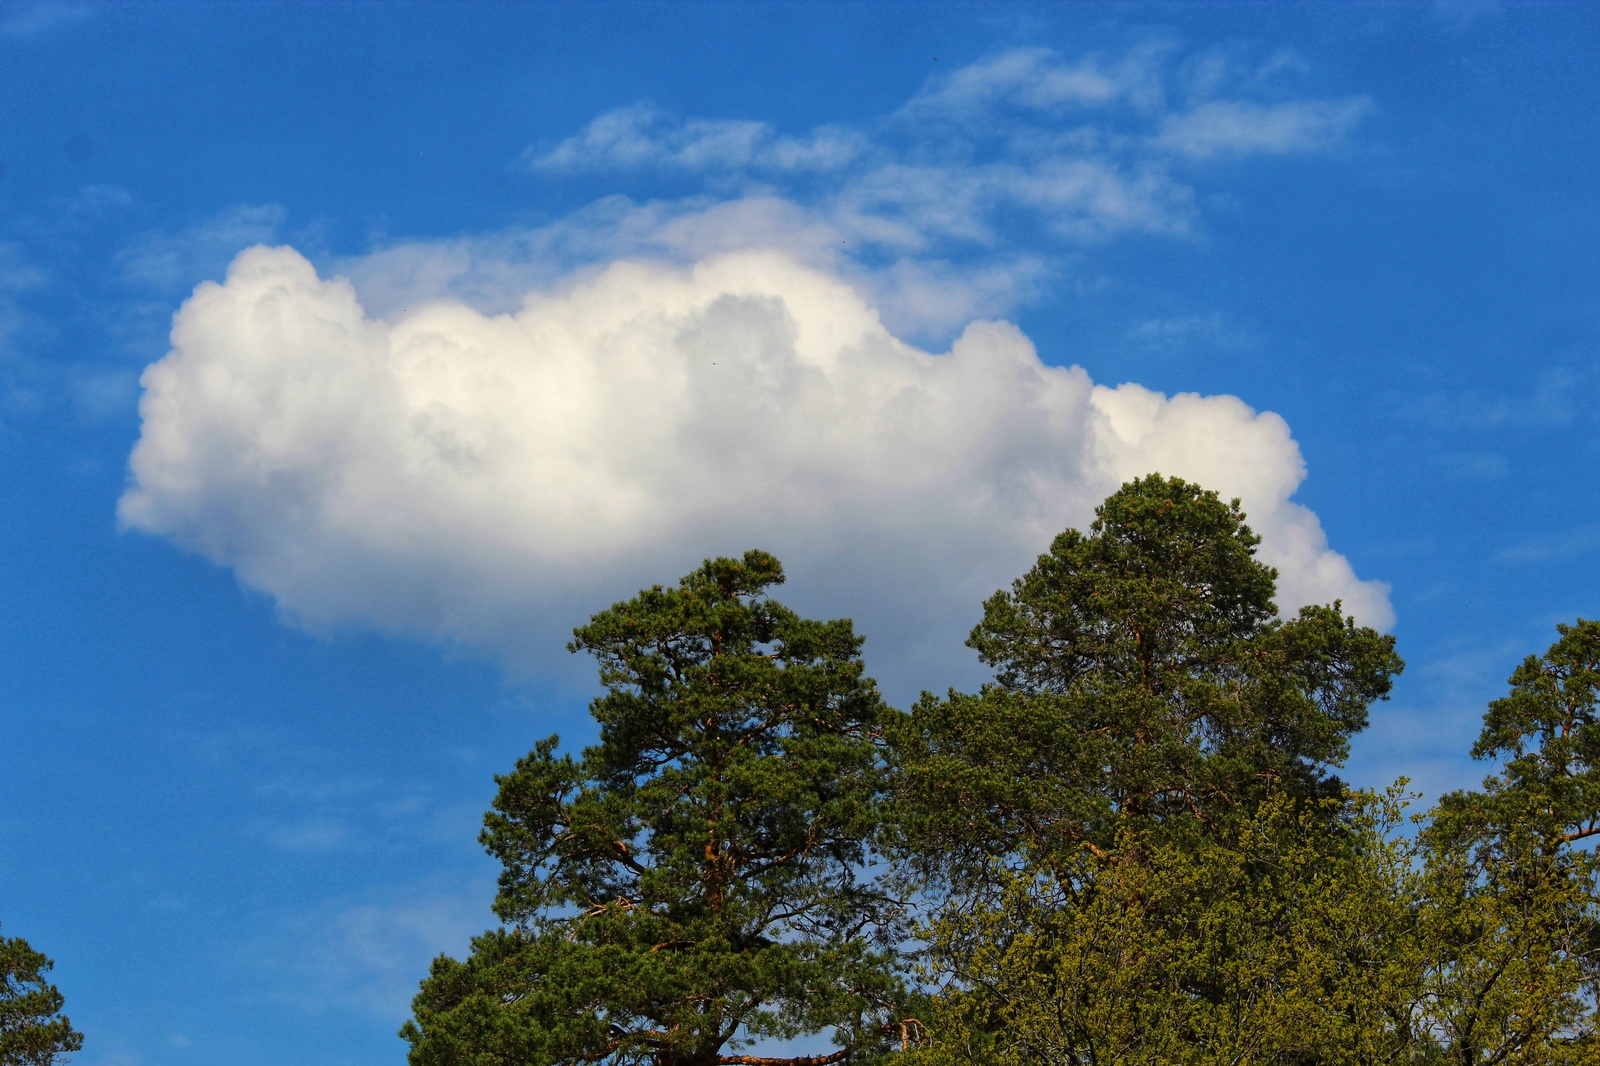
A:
<point x="33" y="1031"/>
<point x="1511" y="886"/>
<point x="699" y="879"/>
<point x="1135" y="843"/>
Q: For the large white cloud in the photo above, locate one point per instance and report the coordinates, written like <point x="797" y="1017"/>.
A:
<point x="489" y="480"/>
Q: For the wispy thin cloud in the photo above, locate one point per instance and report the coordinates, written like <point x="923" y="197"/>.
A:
<point x="164" y="260"/>
<point x="643" y="135"/>
<point x="1083" y="146"/>
<point x="368" y="955"/>
<point x="1427" y="735"/>
<point x="1241" y="127"/>
<point x="1556" y="546"/>
<point x="1208" y="331"/>
<point x="19" y="275"/>
<point x="42" y="17"/>
<point x="1040" y="80"/>
<point x="1461" y="14"/>
<point x="1473" y="464"/>
<point x="1554" y="399"/>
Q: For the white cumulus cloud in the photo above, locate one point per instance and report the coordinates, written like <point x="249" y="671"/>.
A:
<point x="487" y="480"/>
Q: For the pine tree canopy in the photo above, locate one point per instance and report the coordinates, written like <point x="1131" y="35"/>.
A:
<point x="699" y="879"/>
<point x="1141" y="672"/>
<point x="33" y="1031"/>
<point x="1131" y="847"/>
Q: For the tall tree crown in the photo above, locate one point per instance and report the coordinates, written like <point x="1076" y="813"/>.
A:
<point x="696" y="880"/>
<point x="1125" y="827"/>
<point x="1547" y="730"/>
<point x="1510" y="906"/>
<point x="1140" y="670"/>
<point x="1164" y="579"/>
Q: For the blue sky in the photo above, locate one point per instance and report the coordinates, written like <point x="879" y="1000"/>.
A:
<point x="549" y="301"/>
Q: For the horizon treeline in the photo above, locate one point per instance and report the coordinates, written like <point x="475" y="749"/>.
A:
<point x="1131" y="847"/>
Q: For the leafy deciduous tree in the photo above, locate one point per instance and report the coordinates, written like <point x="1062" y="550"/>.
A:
<point x="1270" y="946"/>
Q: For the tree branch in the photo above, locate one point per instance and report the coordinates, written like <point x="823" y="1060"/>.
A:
<point x="801" y="1060"/>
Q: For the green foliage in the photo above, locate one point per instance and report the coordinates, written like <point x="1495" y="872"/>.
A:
<point x="33" y="1032"/>
<point x="1164" y="582"/>
<point x="1270" y="947"/>
<point x="695" y="881"/>
<point x="1141" y="849"/>
<point x="1546" y="730"/>
<point x="1132" y="847"/>
<point x="1514" y="955"/>
<point x="1141" y="674"/>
